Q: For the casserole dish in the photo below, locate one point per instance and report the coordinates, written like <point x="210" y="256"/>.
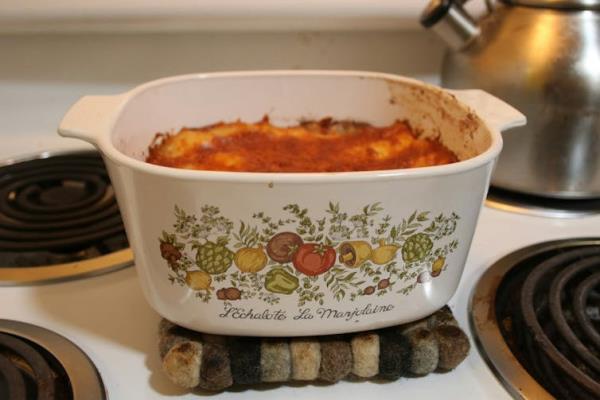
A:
<point x="292" y="254"/>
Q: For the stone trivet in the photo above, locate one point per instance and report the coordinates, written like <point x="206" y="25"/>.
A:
<point x="197" y="360"/>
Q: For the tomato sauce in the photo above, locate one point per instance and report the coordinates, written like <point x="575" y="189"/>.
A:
<point x="317" y="146"/>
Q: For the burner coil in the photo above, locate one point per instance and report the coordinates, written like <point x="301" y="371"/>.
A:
<point x="56" y="210"/>
<point x="547" y="311"/>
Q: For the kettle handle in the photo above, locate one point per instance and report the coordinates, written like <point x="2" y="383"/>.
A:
<point x="449" y="20"/>
<point x="496" y="113"/>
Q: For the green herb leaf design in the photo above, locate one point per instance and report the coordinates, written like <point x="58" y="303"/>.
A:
<point x="429" y="239"/>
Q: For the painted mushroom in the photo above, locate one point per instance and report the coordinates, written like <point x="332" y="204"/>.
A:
<point x="353" y="254"/>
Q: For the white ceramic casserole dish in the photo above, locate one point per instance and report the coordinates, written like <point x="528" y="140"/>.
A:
<point x="281" y="254"/>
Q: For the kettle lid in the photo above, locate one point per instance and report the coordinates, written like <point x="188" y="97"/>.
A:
<point x="566" y="4"/>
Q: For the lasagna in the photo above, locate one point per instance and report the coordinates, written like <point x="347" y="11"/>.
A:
<point x="312" y="146"/>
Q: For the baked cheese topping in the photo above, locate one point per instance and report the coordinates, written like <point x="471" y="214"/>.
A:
<point x="316" y="146"/>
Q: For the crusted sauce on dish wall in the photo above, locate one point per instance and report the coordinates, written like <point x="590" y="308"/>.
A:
<point x="314" y="146"/>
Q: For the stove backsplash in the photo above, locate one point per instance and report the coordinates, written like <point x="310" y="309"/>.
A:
<point x="41" y="75"/>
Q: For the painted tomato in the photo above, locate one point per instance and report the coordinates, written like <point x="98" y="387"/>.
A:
<point x="314" y="259"/>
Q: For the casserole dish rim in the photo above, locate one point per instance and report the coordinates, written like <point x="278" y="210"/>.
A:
<point x="104" y="139"/>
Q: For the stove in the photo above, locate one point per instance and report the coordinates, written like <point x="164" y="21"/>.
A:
<point x="106" y="315"/>
<point x="36" y="363"/>
<point x="536" y="317"/>
<point x="59" y="219"/>
<point x="527" y="204"/>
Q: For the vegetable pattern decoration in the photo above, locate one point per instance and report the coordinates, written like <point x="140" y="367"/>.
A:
<point x="384" y="253"/>
<point x="416" y="247"/>
<point x="314" y="259"/>
<point x="354" y="253"/>
<point x="283" y="246"/>
<point x="250" y="259"/>
<point x="342" y="255"/>
<point x="278" y="280"/>
<point x="214" y="258"/>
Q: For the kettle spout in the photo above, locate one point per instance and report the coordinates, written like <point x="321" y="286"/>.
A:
<point x="449" y="20"/>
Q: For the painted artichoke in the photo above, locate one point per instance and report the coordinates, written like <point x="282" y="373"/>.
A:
<point x="214" y="258"/>
<point x="416" y="247"/>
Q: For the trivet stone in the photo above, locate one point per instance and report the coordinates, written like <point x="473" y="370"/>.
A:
<point x="209" y="362"/>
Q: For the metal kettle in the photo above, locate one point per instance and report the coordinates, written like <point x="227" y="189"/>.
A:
<point x="543" y="57"/>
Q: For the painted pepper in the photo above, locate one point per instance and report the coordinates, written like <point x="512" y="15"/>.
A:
<point x="280" y="281"/>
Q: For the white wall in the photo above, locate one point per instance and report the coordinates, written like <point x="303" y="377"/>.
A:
<point x="133" y="58"/>
<point x="41" y="75"/>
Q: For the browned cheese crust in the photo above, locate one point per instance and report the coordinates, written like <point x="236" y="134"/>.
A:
<point x="319" y="146"/>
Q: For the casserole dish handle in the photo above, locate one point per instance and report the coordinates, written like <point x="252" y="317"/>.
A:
<point x="495" y="112"/>
<point x="89" y="117"/>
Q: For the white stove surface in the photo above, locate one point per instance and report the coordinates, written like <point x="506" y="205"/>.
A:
<point x="108" y="317"/>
